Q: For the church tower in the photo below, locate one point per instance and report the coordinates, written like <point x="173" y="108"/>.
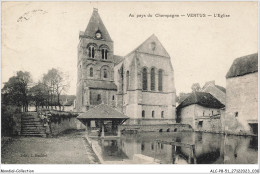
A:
<point x="95" y="66"/>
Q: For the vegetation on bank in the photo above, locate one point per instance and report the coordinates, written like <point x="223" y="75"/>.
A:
<point x="21" y="91"/>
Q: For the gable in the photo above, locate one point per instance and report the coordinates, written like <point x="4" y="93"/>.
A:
<point x="152" y="45"/>
<point x="203" y="99"/>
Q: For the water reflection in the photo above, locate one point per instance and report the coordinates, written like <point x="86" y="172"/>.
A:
<point x="112" y="150"/>
<point x="188" y="148"/>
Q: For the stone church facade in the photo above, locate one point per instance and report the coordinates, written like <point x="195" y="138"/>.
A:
<point x="140" y="84"/>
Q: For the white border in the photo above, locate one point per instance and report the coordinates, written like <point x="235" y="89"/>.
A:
<point x="114" y="168"/>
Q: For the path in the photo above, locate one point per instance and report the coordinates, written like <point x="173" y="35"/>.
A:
<point x="65" y="149"/>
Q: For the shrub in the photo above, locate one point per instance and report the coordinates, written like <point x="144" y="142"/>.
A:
<point x="7" y="121"/>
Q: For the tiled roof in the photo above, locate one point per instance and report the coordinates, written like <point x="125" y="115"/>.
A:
<point x="221" y="88"/>
<point x="118" y="59"/>
<point x="101" y="85"/>
<point x="102" y="111"/>
<point x="243" y="65"/>
<point x="95" y="24"/>
<point x="201" y="98"/>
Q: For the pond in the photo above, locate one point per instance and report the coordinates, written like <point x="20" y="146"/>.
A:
<point x="186" y="148"/>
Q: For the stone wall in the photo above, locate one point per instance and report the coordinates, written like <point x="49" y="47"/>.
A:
<point x="202" y="118"/>
<point x="17" y="126"/>
<point x="187" y="115"/>
<point x="241" y="104"/>
<point x="149" y="121"/>
<point x="211" y="124"/>
<point x="84" y="64"/>
<point x="156" y="128"/>
<point x="133" y="100"/>
<point x="106" y="97"/>
<point x="66" y="124"/>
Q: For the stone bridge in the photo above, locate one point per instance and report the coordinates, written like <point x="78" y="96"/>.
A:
<point x="156" y="128"/>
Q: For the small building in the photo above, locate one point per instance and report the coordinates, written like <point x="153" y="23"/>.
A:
<point x="103" y="119"/>
<point x="202" y="111"/>
<point x="68" y="105"/>
<point x="242" y="96"/>
<point x="217" y="91"/>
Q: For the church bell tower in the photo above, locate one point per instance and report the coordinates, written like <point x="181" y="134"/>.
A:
<point x="95" y="81"/>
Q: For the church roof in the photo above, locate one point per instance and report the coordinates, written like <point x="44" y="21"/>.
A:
<point x="118" y="59"/>
<point x="102" y="111"/>
<point x="95" y="24"/>
<point x="221" y="88"/>
<point x="101" y="85"/>
<point x="243" y="65"/>
<point x="201" y="98"/>
<point x="152" y="45"/>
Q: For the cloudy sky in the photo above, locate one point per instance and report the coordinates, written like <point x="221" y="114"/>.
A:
<point x="38" y="36"/>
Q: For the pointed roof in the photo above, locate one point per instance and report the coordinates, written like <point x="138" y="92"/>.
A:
<point x="201" y="98"/>
<point x="221" y="88"/>
<point x="243" y="65"/>
<point x="96" y="24"/>
<point x="152" y="45"/>
<point x="213" y="84"/>
<point x="118" y="59"/>
<point x="102" y="111"/>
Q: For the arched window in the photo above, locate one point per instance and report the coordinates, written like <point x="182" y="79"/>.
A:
<point x="143" y="113"/>
<point x="152" y="79"/>
<point x="152" y="146"/>
<point x="104" y="53"/>
<point x="127" y="80"/>
<point x="162" y="114"/>
<point x="113" y="97"/>
<point x="91" y="51"/>
<point x="152" y="114"/>
<point x="142" y="146"/>
<point x="144" y="79"/>
<point x="160" y="80"/>
<point x="91" y="72"/>
<point x="105" y="73"/>
<point x="98" y="99"/>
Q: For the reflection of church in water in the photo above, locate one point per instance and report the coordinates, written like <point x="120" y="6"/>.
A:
<point x="140" y="84"/>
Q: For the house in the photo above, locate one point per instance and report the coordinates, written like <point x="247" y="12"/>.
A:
<point x="202" y="111"/>
<point x="140" y="84"/>
<point x="68" y="105"/>
<point x="242" y="96"/>
<point x="217" y="91"/>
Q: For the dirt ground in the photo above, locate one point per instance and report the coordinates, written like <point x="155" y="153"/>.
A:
<point x="68" y="148"/>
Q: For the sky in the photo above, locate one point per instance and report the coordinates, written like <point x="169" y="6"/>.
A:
<point x="38" y="36"/>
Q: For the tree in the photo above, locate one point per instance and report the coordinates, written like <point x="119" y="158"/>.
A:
<point x="195" y="87"/>
<point x="39" y="95"/>
<point x="57" y="83"/>
<point x="15" y="91"/>
<point x="182" y="96"/>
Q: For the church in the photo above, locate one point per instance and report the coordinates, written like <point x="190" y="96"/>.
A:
<point x="140" y="84"/>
